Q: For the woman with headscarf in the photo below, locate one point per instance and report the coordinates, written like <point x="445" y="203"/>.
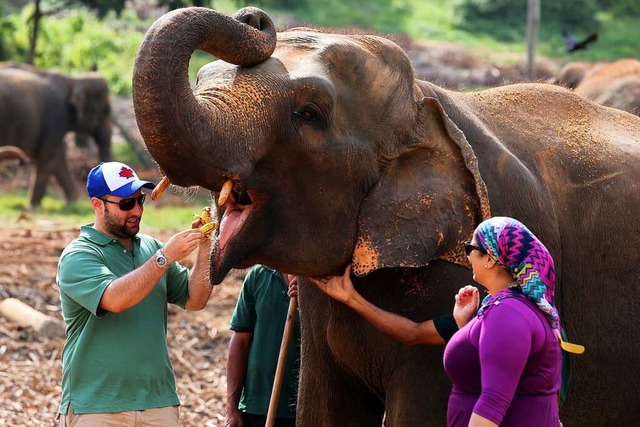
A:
<point x="505" y="363"/>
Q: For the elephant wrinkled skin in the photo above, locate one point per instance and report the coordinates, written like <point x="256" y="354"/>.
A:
<point x="38" y="107"/>
<point x="338" y="154"/>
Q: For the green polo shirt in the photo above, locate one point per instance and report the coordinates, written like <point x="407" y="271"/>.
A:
<point x="262" y="309"/>
<point x="115" y="362"/>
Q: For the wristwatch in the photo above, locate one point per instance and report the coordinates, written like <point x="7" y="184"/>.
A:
<point x="161" y="260"/>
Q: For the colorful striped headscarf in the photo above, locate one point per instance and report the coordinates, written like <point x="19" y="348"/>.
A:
<point x="508" y="242"/>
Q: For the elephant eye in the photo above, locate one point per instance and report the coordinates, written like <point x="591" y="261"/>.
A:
<point x="309" y="113"/>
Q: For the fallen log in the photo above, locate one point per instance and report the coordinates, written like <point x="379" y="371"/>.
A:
<point x="16" y="311"/>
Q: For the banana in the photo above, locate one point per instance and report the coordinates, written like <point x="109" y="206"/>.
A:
<point x="205" y="216"/>
<point x="162" y="185"/>
<point x="224" y="193"/>
<point x="209" y="228"/>
<point x="208" y="225"/>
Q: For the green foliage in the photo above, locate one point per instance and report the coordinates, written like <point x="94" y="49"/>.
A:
<point x="378" y="15"/>
<point x="7" y="29"/>
<point x="507" y="19"/>
<point x="620" y="8"/>
<point x="122" y="152"/>
<point x="175" y="4"/>
<point x="78" y="41"/>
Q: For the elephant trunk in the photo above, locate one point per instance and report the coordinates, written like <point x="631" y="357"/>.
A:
<point x="173" y="121"/>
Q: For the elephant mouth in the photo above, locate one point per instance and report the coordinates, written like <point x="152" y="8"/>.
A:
<point x="237" y="206"/>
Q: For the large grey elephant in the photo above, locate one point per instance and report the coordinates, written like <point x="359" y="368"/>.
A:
<point x="38" y="107"/>
<point x="337" y="154"/>
<point x="615" y="84"/>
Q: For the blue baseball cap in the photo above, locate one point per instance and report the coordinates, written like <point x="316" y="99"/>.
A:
<point x="114" y="178"/>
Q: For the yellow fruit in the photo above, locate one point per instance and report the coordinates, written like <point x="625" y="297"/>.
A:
<point x="209" y="227"/>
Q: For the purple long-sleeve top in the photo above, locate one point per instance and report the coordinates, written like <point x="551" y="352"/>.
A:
<point x="505" y="366"/>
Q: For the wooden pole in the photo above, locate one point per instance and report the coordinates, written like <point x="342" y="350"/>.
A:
<point x="533" y="23"/>
<point x="282" y="361"/>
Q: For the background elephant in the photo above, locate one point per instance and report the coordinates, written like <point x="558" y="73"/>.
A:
<point x="615" y="85"/>
<point x="338" y="154"/>
<point x="38" y="107"/>
<point x="572" y="73"/>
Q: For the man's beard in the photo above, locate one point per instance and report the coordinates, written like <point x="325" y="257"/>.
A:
<point x="118" y="229"/>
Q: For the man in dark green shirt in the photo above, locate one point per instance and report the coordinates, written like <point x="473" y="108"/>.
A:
<point x="114" y="288"/>
<point x="258" y="324"/>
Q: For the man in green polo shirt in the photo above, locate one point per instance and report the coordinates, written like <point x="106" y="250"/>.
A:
<point x="114" y="288"/>
<point x="258" y="324"/>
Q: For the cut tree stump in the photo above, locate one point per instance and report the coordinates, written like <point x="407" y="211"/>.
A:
<point x="24" y="315"/>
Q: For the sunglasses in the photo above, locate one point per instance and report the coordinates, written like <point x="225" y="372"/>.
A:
<point x="129" y="203"/>
<point x="468" y="247"/>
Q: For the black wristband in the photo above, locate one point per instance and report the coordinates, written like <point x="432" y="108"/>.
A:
<point x="445" y="325"/>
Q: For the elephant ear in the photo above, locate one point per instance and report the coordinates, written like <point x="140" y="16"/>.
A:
<point x="426" y="204"/>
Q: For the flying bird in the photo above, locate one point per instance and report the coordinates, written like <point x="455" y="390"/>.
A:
<point x="572" y="44"/>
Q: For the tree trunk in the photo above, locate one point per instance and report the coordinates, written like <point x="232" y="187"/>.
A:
<point x="533" y="23"/>
<point x="37" y="14"/>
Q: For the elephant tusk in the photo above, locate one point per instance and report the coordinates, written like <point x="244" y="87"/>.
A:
<point x="162" y="185"/>
<point x="224" y="193"/>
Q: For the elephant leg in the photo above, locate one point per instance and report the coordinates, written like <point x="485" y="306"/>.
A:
<point x="328" y="398"/>
<point x="39" y="181"/>
<point x="417" y="394"/>
<point x="64" y="178"/>
<point x="102" y="136"/>
<point x="329" y="395"/>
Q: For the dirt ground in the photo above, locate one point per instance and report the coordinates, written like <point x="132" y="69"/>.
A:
<point x="30" y="367"/>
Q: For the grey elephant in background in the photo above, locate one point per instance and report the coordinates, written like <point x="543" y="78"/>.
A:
<point x="614" y="85"/>
<point x="38" y="107"/>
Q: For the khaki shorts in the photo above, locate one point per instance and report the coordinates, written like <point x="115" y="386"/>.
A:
<point x="167" y="416"/>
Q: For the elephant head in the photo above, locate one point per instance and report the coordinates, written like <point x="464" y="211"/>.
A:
<point x="90" y="110"/>
<point x="335" y="152"/>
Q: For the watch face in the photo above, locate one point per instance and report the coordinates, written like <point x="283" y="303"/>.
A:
<point x="161" y="260"/>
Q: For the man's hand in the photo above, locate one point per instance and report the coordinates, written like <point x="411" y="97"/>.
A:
<point x="292" y="290"/>
<point x="182" y="244"/>
<point x="233" y="418"/>
<point x="467" y="300"/>
<point x="338" y="287"/>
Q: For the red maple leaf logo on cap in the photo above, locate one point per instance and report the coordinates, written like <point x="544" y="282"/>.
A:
<point x="126" y="173"/>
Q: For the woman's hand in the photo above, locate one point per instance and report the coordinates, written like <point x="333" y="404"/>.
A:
<point x="467" y="300"/>
<point x="338" y="287"/>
